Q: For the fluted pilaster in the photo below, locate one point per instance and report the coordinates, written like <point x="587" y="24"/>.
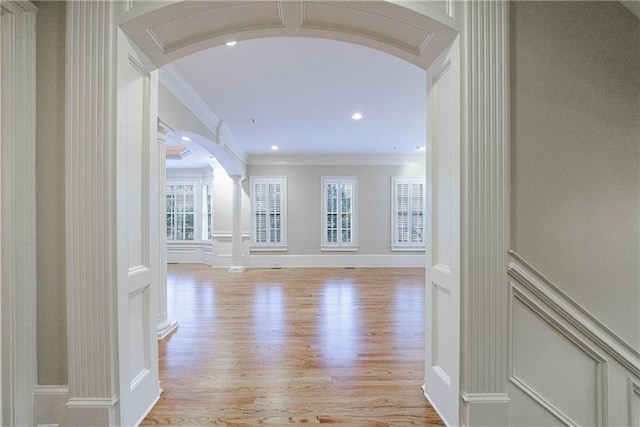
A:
<point x="485" y="203"/>
<point x="90" y="214"/>
<point x="18" y="221"/>
<point x="165" y="325"/>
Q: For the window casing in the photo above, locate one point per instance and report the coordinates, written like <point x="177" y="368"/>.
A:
<point x="408" y="213"/>
<point x="268" y="213"/>
<point x="339" y="214"/>
<point x="207" y="211"/>
<point x="181" y="211"/>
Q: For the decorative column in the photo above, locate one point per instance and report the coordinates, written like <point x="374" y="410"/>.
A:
<point x="165" y="325"/>
<point x="18" y="218"/>
<point x="485" y="208"/>
<point x="236" y="238"/>
<point x="90" y="213"/>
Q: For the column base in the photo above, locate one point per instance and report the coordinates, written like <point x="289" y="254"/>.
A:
<point x="236" y="269"/>
<point x="166" y="328"/>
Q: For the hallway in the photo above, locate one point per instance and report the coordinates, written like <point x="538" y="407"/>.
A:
<point x="294" y="346"/>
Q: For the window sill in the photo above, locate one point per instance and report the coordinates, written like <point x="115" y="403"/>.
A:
<point x="258" y="248"/>
<point x="326" y="248"/>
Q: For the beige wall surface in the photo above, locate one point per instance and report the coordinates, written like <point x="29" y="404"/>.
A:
<point x="51" y="296"/>
<point x="304" y="203"/>
<point x="576" y="153"/>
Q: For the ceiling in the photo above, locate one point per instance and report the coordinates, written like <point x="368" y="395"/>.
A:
<point x="299" y="94"/>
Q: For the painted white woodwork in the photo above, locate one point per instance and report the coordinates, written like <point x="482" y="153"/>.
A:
<point x="222" y="248"/>
<point x="138" y="233"/>
<point x="90" y="194"/>
<point x="17" y="221"/>
<point x="485" y="207"/>
<point x="344" y="259"/>
<point x="165" y="325"/>
<point x="321" y="160"/>
<point x="565" y="366"/>
<point x="268" y="212"/>
<point x="443" y="218"/>
<point x="189" y="252"/>
<point x="173" y="80"/>
<point x="416" y="33"/>
<point x="236" y="251"/>
<point x="408" y="219"/>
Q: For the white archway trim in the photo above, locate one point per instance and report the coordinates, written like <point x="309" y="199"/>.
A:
<point x="175" y="82"/>
<point x="18" y="227"/>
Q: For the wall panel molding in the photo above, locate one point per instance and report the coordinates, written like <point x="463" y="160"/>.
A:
<point x="565" y="307"/>
<point x="616" y="363"/>
<point x="579" y="344"/>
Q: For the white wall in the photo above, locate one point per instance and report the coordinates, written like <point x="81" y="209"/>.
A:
<point x="574" y="273"/>
<point x="50" y="87"/>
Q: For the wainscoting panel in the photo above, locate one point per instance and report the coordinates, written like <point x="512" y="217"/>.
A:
<point x="565" y="366"/>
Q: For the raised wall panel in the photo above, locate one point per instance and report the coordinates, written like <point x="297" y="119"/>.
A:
<point x="555" y="367"/>
<point x="139" y="330"/>
<point x="441" y="226"/>
<point x="137" y="91"/>
<point x="634" y="403"/>
<point x="441" y="344"/>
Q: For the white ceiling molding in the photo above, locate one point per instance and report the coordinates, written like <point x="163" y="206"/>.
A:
<point x="352" y="160"/>
<point x="633" y="6"/>
<point x="179" y="87"/>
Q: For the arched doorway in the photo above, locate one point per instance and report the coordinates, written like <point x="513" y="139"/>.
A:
<point x="419" y="36"/>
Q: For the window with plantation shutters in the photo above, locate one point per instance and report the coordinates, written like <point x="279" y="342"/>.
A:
<point x="268" y="199"/>
<point x="180" y="213"/>
<point x="339" y="231"/>
<point x="408" y="217"/>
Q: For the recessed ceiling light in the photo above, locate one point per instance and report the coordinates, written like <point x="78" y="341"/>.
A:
<point x="185" y="138"/>
<point x="231" y="43"/>
<point x="356" y="116"/>
<point x="274" y="147"/>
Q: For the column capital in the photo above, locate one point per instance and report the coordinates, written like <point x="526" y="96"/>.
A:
<point x="237" y="179"/>
<point x="164" y="128"/>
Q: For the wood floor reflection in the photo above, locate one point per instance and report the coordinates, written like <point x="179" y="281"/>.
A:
<point x="294" y="346"/>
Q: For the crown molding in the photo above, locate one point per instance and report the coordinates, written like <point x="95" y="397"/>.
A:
<point x="354" y="159"/>
<point x="171" y="78"/>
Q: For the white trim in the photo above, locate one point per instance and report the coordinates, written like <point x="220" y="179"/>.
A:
<point x="409" y="181"/>
<point x="322" y="160"/>
<point x="337" y="260"/>
<point x="174" y="81"/>
<point x="269" y="246"/>
<point x="566" y="308"/>
<point x="339" y="246"/>
<point x="485" y="397"/>
<point x="18" y="364"/>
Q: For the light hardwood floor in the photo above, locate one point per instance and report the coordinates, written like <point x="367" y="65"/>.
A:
<point x="294" y="346"/>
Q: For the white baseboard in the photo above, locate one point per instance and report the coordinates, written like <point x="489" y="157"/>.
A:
<point x="337" y="260"/>
<point x="50" y="404"/>
<point x="485" y="409"/>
